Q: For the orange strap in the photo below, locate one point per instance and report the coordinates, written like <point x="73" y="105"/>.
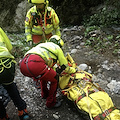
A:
<point x="104" y="114"/>
<point x="83" y="95"/>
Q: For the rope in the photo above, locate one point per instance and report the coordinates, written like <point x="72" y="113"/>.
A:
<point x="66" y="90"/>
<point x="4" y="64"/>
<point x="88" y="105"/>
<point x="1" y="69"/>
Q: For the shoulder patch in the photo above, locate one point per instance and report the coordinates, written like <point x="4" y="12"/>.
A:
<point x="33" y="13"/>
<point x="27" y="19"/>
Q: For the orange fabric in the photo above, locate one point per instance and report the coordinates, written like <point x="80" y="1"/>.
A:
<point x="36" y="38"/>
<point x="20" y="113"/>
<point x="39" y="38"/>
<point x="48" y="35"/>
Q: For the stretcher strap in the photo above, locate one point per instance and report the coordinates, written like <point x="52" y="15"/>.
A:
<point x="71" y="81"/>
<point x="104" y="114"/>
<point x="83" y="95"/>
<point x="87" y="94"/>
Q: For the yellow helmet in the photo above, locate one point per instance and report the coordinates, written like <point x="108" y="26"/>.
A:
<point x="37" y="1"/>
<point x="57" y="40"/>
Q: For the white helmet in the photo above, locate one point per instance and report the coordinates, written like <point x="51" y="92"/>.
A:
<point x="57" y="40"/>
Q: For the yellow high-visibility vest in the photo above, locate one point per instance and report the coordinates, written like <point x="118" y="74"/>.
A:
<point x="38" y="24"/>
<point x="49" y="51"/>
<point x="5" y="46"/>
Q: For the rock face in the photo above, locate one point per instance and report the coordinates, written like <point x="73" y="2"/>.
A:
<point x="70" y="12"/>
<point x="7" y="12"/>
<point x="12" y="14"/>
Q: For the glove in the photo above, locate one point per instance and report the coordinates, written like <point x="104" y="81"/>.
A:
<point x="70" y="70"/>
<point x="30" y="42"/>
<point x="59" y="70"/>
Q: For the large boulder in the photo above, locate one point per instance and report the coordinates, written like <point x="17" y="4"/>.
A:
<point x="12" y="15"/>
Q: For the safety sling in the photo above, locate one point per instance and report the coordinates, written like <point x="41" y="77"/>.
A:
<point x="26" y="62"/>
<point x="5" y="63"/>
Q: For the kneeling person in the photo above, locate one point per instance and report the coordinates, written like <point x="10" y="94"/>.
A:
<point x="38" y="64"/>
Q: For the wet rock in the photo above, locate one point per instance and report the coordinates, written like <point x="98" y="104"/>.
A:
<point x="83" y="66"/>
<point x="73" y="51"/>
<point x="56" y="116"/>
<point x="114" y="86"/>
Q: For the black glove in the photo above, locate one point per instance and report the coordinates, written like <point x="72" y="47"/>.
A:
<point x="59" y="70"/>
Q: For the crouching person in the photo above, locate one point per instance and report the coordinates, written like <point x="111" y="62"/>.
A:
<point x="7" y="72"/>
<point x="38" y="64"/>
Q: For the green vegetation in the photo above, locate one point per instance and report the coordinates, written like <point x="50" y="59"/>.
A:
<point x="19" y="44"/>
<point x="105" y="17"/>
<point x="100" y="41"/>
<point x="107" y="14"/>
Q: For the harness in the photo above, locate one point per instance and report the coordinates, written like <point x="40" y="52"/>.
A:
<point x="42" y="20"/>
<point x="26" y="62"/>
<point x="35" y="19"/>
<point x="48" y="17"/>
<point x="39" y="19"/>
<point x="54" y="61"/>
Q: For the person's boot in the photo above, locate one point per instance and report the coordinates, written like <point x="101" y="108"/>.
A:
<point x="23" y="115"/>
<point x="57" y="105"/>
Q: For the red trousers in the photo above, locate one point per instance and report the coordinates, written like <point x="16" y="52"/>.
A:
<point x="34" y="66"/>
<point x="39" y="38"/>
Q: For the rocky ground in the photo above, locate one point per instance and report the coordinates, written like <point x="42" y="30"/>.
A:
<point x="104" y="67"/>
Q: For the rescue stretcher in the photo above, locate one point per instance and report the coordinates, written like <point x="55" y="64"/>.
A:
<point x="87" y="96"/>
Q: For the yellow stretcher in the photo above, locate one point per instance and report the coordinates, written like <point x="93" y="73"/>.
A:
<point x="87" y="95"/>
